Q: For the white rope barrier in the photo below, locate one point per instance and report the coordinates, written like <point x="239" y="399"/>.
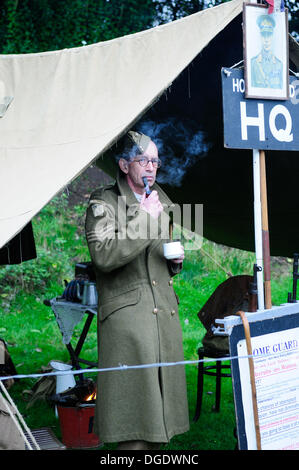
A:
<point x="122" y="367"/>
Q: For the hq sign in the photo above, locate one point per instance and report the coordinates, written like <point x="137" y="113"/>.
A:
<point x="257" y="123"/>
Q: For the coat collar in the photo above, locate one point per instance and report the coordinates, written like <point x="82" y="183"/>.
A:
<point x="126" y="191"/>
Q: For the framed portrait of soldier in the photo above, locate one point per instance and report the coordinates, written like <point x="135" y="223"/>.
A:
<point x="266" y="57"/>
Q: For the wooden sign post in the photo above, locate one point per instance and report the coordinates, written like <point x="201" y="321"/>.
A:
<point x="266" y="77"/>
<point x="265" y="231"/>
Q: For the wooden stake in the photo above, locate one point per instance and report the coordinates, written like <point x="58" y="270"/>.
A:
<point x="252" y="379"/>
<point x="265" y="232"/>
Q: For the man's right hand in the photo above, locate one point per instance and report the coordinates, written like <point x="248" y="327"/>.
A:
<point x="151" y="204"/>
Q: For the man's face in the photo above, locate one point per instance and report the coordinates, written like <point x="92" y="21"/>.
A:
<point x="135" y="171"/>
<point x="267" y="39"/>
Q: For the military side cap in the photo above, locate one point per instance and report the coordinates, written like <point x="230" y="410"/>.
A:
<point x="266" y="23"/>
<point x="141" y="140"/>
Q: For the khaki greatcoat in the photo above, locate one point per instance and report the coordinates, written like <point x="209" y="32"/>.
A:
<point x="138" y="320"/>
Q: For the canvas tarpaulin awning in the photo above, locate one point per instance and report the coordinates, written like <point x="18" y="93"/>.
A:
<point x="69" y="105"/>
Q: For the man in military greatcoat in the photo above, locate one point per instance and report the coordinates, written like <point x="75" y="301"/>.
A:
<point x="138" y="321"/>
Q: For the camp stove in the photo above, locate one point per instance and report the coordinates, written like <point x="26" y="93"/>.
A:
<point x="83" y="392"/>
<point x="76" y="407"/>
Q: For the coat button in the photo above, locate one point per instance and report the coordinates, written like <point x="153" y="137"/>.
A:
<point x="154" y="283"/>
<point x="155" y="311"/>
<point x="172" y="312"/>
<point x="170" y="282"/>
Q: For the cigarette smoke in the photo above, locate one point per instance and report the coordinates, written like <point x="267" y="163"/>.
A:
<point x="180" y="143"/>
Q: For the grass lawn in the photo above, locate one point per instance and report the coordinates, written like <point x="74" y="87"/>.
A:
<point x="33" y="337"/>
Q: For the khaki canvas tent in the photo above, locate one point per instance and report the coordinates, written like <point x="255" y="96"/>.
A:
<point x="61" y="110"/>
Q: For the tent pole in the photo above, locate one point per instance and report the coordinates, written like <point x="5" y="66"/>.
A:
<point x="258" y="227"/>
<point x="265" y="232"/>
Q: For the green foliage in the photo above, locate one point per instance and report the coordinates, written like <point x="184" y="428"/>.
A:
<point x="293" y="7"/>
<point x="60" y="244"/>
<point x="44" y="25"/>
<point x="171" y="10"/>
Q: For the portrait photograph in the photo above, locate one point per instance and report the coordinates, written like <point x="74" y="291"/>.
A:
<point x="266" y="60"/>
